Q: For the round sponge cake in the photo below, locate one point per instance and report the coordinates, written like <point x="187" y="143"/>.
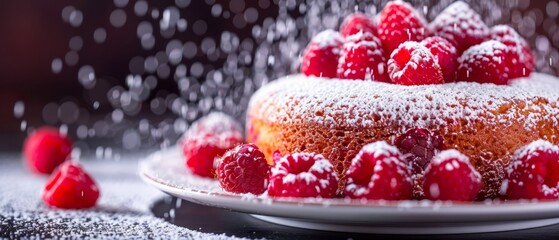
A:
<point x="336" y="118"/>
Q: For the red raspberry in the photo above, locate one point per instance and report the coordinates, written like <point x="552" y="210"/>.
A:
<point x="243" y="170"/>
<point x="45" y="149"/>
<point x="357" y="22"/>
<point x="362" y="57"/>
<point x="413" y="64"/>
<point x="399" y="23"/>
<point x="303" y="175"/>
<point x="533" y="172"/>
<point x="450" y="176"/>
<point x="484" y="63"/>
<point x="320" y="58"/>
<point x="208" y="139"/>
<point x="445" y="54"/>
<point x="71" y="188"/>
<point x="460" y="25"/>
<point x="519" y="58"/>
<point x="378" y="172"/>
<point x="419" y="146"/>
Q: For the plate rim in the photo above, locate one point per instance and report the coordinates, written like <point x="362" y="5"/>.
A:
<point x="519" y="210"/>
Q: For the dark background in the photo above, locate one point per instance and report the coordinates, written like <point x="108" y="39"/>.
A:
<point x="33" y="33"/>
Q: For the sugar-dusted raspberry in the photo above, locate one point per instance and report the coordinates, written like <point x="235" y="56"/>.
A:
<point x="321" y="56"/>
<point x="413" y="64"/>
<point x="303" y="175"/>
<point x="399" y="23"/>
<point x="519" y="58"/>
<point x="357" y="22"/>
<point x="45" y="149"/>
<point x="362" y="57"/>
<point x="379" y="172"/>
<point x="484" y="63"/>
<point x="243" y="169"/>
<point x="533" y="172"/>
<point x="208" y="139"/>
<point x="70" y="187"/>
<point x="445" y="54"/>
<point x="450" y="176"/>
<point x="460" y="25"/>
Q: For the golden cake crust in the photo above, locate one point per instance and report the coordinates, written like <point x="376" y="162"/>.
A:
<point x="486" y="122"/>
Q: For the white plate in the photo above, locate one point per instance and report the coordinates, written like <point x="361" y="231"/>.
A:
<point x="166" y="171"/>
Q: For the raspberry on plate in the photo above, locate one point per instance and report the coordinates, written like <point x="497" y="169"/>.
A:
<point x="445" y="54"/>
<point x="450" y="176"/>
<point x="379" y="172"/>
<point x="519" y="58"/>
<point x="357" y="22"/>
<point x="45" y="149"/>
<point x="413" y="64"/>
<point x="362" y="57"/>
<point x="303" y="175"/>
<point x="243" y="170"/>
<point x="321" y="56"/>
<point x="484" y="63"/>
<point x="460" y="25"/>
<point x="70" y="187"/>
<point x="208" y="139"/>
<point x="399" y="23"/>
<point x="533" y="172"/>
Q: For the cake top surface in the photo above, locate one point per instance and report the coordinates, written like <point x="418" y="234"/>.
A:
<point x="335" y="102"/>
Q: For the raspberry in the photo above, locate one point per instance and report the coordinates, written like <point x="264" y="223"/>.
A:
<point x="413" y="64"/>
<point x="208" y="139"/>
<point x="357" y="22"/>
<point x="419" y="146"/>
<point x="71" y="188"/>
<point x="362" y="57"/>
<point x="399" y="23"/>
<point x="519" y="58"/>
<point x="445" y="54"/>
<point x="45" y="149"/>
<point x="484" y="63"/>
<point x="450" y="176"/>
<point x="460" y="25"/>
<point x="321" y="56"/>
<point x="303" y="175"/>
<point x="533" y="172"/>
<point x="378" y="172"/>
<point x="243" y="170"/>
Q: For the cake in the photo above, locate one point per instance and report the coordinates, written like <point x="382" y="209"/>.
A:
<point x="336" y="118"/>
<point x="392" y="107"/>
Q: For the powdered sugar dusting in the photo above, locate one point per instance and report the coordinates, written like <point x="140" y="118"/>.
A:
<point x="297" y="99"/>
<point x="538" y="145"/>
<point x="123" y="210"/>
<point x="420" y="57"/>
<point x="450" y="154"/>
<point x="327" y="38"/>
<point x="489" y="51"/>
<point x="458" y="22"/>
<point x="381" y="148"/>
<point x="320" y="165"/>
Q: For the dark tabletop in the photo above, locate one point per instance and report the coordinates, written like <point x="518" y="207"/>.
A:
<point x="216" y="220"/>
